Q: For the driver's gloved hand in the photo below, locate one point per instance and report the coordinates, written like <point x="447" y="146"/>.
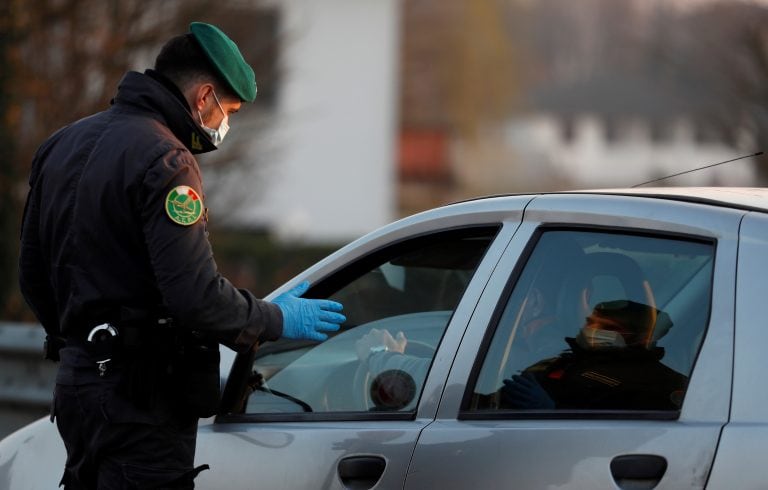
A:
<point x="308" y="318"/>
<point x="524" y="391"/>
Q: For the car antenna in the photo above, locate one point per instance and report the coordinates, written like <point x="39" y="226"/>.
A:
<point x="698" y="168"/>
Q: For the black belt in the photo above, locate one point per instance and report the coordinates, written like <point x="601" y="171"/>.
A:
<point x="107" y="341"/>
<point x="131" y="333"/>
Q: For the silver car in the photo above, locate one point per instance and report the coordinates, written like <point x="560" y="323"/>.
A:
<point x="597" y="339"/>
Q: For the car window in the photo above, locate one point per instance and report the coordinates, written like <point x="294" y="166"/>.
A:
<point x="598" y="321"/>
<point x="408" y="292"/>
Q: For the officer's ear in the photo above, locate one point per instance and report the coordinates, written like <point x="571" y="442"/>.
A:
<point x="198" y="94"/>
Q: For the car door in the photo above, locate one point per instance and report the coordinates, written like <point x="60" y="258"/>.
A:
<point x="599" y="355"/>
<point x="317" y="415"/>
<point x="744" y="441"/>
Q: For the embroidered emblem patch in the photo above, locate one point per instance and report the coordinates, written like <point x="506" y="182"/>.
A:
<point x="195" y="142"/>
<point x="183" y="205"/>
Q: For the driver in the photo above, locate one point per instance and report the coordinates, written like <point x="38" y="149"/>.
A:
<point x="613" y="364"/>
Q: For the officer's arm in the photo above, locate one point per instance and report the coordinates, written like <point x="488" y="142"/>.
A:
<point x="194" y="292"/>
<point x="34" y="277"/>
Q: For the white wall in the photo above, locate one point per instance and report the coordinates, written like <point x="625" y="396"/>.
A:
<point x="334" y="178"/>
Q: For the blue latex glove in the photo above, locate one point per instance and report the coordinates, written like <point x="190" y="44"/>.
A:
<point x="525" y="392"/>
<point x="308" y="318"/>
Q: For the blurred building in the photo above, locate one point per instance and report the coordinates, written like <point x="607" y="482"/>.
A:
<point x="331" y="170"/>
<point x="600" y="93"/>
<point x="614" y="131"/>
<point x="385" y="108"/>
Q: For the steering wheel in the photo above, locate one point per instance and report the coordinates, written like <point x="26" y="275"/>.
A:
<point x="361" y="381"/>
<point x="347" y="388"/>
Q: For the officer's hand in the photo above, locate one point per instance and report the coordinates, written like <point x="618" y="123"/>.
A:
<point x="525" y="392"/>
<point x="308" y="318"/>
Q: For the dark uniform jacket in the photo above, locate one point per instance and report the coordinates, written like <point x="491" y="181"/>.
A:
<point x="611" y="379"/>
<point x="97" y="244"/>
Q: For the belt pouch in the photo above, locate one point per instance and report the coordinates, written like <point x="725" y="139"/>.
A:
<point x="196" y="376"/>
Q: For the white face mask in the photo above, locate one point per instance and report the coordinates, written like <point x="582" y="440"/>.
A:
<point x="594" y="338"/>
<point x="217" y="135"/>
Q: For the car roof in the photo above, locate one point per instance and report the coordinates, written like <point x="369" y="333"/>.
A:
<point x="747" y="198"/>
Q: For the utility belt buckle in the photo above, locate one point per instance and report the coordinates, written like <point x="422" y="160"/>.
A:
<point x="102" y="338"/>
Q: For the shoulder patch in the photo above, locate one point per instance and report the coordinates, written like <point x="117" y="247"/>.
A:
<point x="183" y="205"/>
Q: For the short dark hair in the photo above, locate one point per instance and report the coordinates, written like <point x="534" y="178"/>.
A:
<point x="182" y="61"/>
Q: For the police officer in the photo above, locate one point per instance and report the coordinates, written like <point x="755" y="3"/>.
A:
<point x="115" y="263"/>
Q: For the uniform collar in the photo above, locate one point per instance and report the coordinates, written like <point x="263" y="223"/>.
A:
<point x="150" y="92"/>
<point x="172" y="88"/>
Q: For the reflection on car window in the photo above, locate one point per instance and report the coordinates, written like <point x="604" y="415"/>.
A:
<point x="599" y="321"/>
<point x="398" y="302"/>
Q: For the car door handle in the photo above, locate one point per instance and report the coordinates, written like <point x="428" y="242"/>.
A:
<point x="361" y="472"/>
<point x="638" y="471"/>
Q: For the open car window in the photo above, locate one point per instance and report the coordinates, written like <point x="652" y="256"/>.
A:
<point x="409" y="291"/>
<point x="598" y="321"/>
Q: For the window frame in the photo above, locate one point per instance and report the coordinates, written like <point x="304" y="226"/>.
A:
<point x="331" y="282"/>
<point x="466" y="413"/>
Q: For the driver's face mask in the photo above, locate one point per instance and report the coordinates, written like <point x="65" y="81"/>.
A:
<point x="217" y="135"/>
<point x="595" y="338"/>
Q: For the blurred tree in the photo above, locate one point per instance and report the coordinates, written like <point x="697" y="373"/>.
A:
<point x="8" y="208"/>
<point x="728" y="48"/>
<point x="716" y="58"/>
<point x="461" y="78"/>
<point x="661" y="61"/>
<point x="754" y="84"/>
<point x="62" y="60"/>
<point x="460" y="64"/>
<point x="482" y="66"/>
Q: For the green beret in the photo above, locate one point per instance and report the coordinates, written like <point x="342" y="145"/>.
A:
<point x="223" y="53"/>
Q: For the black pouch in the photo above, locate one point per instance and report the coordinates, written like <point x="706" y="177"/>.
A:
<point x="196" y="376"/>
<point x="53" y="344"/>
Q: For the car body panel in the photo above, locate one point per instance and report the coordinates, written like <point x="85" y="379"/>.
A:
<point x="744" y="442"/>
<point x="23" y="452"/>
<point x="578" y="453"/>
<point x="301" y="454"/>
<point x="731" y="197"/>
<point x="325" y="444"/>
